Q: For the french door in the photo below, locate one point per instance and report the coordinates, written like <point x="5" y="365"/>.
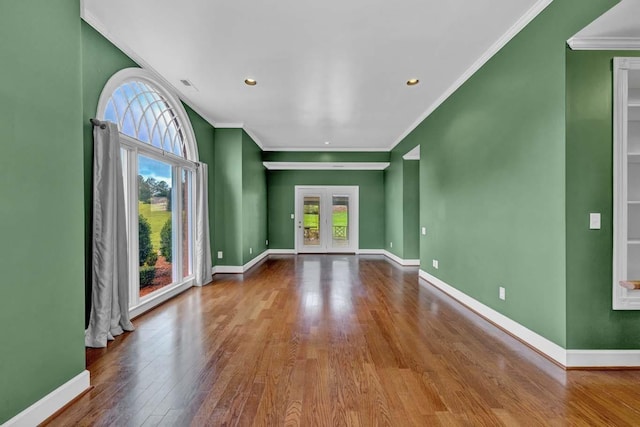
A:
<point x="326" y="219"/>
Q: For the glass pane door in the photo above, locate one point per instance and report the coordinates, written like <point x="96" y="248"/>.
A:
<point x="340" y="221"/>
<point x="311" y="221"/>
<point x="155" y="220"/>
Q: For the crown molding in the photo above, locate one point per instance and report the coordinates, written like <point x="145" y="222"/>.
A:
<point x="326" y="165"/>
<point x="241" y="126"/>
<point x="324" y="148"/>
<point x="413" y="154"/>
<point x="604" y="43"/>
<point x="254" y="137"/>
<point x="524" y="20"/>
<point x="229" y="125"/>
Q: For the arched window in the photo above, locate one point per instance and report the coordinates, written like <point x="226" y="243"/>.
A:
<point x="158" y="154"/>
<point x="147" y="112"/>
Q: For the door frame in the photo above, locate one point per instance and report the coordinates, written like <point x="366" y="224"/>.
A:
<point x="326" y="192"/>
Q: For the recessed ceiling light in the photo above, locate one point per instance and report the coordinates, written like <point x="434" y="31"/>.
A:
<point x="250" y="82"/>
<point x="412" y="82"/>
<point x="327" y="143"/>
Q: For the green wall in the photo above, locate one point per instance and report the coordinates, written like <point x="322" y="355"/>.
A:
<point x="492" y="170"/>
<point x="281" y="195"/>
<point x="101" y="60"/>
<point x="205" y="137"/>
<point x="254" y="200"/>
<point x="591" y="323"/>
<point x="241" y="198"/>
<point x="41" y="213"/>
<point x="411" y="209"/>
<point x="394" y="204"/>
<point x="402" y="197"/>
<point x="228" y="194"/>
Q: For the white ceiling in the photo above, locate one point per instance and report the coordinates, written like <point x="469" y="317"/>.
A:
<point x="621" y="21"/>
<point x="330" y="70"/>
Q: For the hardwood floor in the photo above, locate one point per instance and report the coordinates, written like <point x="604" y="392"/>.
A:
<point x="335" y="340"/>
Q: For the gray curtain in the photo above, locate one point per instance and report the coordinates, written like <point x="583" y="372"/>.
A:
<point x="110" y="285"/>
<point x="203" y="247"/>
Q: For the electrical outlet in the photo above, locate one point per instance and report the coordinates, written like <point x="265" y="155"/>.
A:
<point x="293" y="216"/>
<point x="250" y="251"/>
<point x="219" y="254"/>
<point x="594" y="221"/>
<point x="424" y="231"/>
<point x="266" y="242"/>
<point x="502" y="293"/>
<point x="435" y="264"/>
<point x="390" y="244"/>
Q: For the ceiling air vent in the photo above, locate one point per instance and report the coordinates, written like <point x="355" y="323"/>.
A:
<point x="187" y="83"/>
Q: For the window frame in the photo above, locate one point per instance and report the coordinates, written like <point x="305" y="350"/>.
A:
<point x="131" y="149"/>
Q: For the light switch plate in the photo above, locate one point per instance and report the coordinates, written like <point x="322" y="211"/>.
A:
<point x="424" y="231"/>
<point x="594" y="221"/>
<point x="293" y="216"/>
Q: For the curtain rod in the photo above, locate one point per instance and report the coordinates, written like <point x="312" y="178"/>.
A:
<point x="96" y="122"/>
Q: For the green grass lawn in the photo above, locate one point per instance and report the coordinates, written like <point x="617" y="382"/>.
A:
<point x="340" y="219"/>
<point x="156" y="221"/>
<point x="310" y="221"/>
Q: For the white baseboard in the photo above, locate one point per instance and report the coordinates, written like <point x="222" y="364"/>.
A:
<point x="403" y="262"/>
<point x="603" y="358"/>
<point x="549" y="348"/>
<point x="159" y="299"/>
<point x="256" y="260"/>
<point x="51" y="403"/>
<point x="370" y="252"/>
<point x="566" y="358"/>
<point x="234" y="269"/>
<point x="239" y="269"/>
<point x="282" y="251"/>
<point x="393" y="257"/>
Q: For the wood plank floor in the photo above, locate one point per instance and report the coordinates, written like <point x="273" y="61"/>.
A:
<point x="335" y="340"/>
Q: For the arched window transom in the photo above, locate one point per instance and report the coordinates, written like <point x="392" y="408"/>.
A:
<point x="144" y="114"/>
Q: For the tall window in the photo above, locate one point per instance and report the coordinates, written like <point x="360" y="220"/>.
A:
<point x="158" y="154"/>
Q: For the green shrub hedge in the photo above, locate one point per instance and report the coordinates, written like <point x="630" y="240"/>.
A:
<point x="144" y="240"/>
<point x="147" y="274"/>
<point x="165" y="240"/>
